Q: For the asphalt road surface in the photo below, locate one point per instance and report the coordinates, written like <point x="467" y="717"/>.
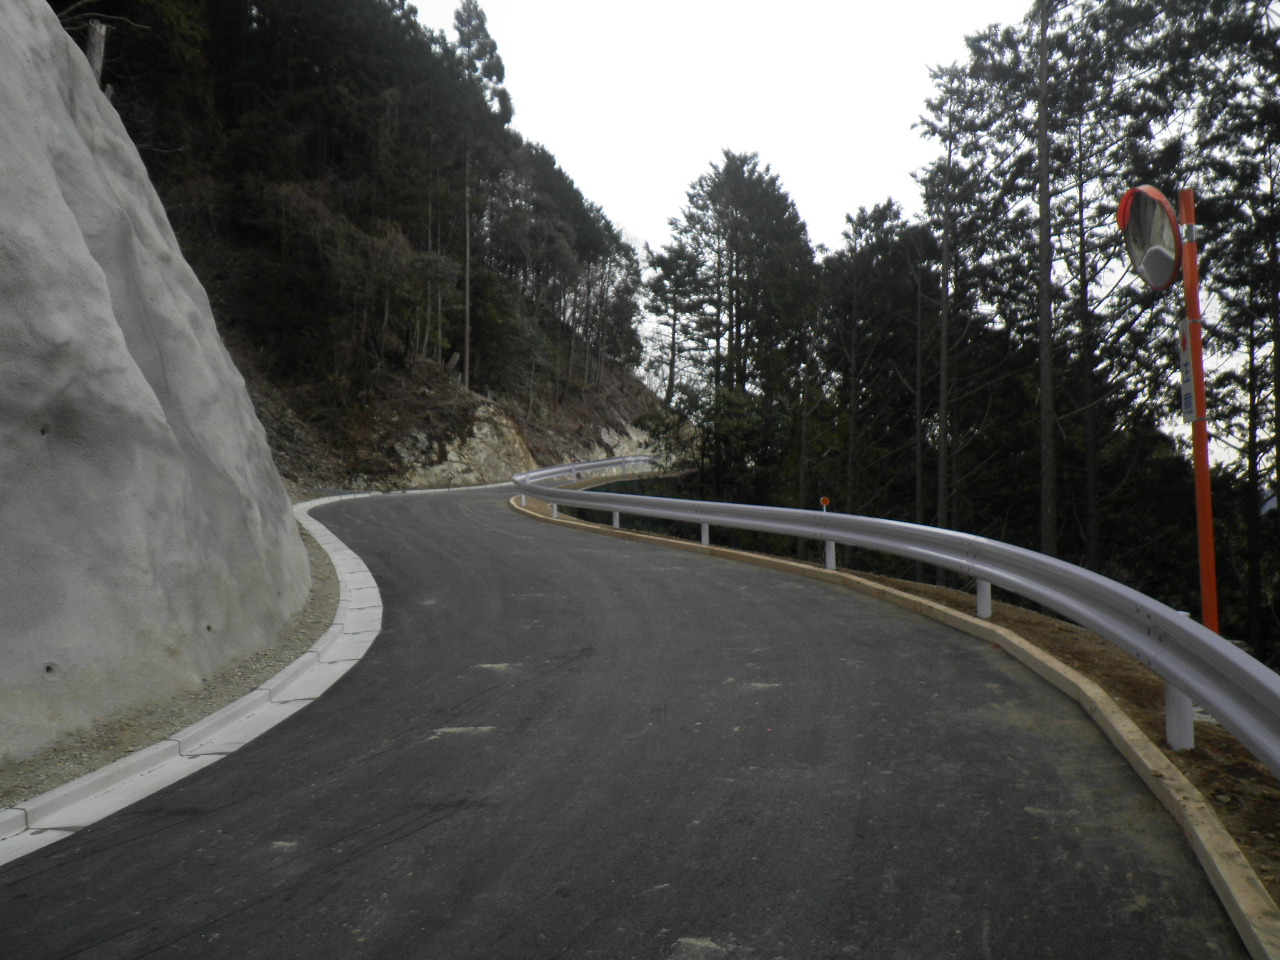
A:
<point x="572" y="746"/>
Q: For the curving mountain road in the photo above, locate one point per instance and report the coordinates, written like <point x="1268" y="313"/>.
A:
<point x="572" y="746"/>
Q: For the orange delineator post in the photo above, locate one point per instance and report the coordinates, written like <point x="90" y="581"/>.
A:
<point x="1199" y="426"/>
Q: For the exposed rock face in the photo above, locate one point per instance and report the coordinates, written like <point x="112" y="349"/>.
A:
<point x="494" y="449"/>
<point x="145" y="537"/>
<point x="609" y="443"/>
<point x="490" y="453"/>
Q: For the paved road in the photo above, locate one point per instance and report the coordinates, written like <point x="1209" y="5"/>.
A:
<point x="571" y="746"/>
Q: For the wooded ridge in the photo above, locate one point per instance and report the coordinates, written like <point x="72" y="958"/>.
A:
<point x="348" y="183"/>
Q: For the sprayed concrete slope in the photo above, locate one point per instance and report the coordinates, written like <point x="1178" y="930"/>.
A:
<point x="145" y="536"/>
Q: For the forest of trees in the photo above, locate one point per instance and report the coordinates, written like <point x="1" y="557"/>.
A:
<point x="990" y="366"/>
<point x="354" y="179"/>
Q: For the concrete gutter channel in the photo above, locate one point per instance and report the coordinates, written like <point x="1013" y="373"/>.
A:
<point x="1243" y="895"/>
<point x="53" y="815"/>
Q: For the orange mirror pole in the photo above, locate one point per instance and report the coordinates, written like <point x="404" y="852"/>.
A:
<point x="1199" y="426"/>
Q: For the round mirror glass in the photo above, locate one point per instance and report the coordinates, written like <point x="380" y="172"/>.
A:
<point x="1151" y="236"/>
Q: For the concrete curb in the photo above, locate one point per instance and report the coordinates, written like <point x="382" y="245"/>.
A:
<point x="61" y="811"/>
<point x="1243" y="895"/>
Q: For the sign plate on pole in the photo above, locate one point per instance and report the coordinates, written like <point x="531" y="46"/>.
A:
<point x="1187" y="386"/>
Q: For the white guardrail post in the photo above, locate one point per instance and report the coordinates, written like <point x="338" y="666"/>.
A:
<point x="1197" y="665"/>
<point x="984" y="599"/>
<point x="1179" y="718"/>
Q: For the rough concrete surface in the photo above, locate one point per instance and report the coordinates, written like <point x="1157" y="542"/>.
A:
<point x="145" y="536"/>
<point x="112" y="738"/>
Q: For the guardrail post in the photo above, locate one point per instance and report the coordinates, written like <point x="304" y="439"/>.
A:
<point x="1179" y="718"/>
<point x="984" y="599"/>
<point x="706" y="534"/>
<point x="616" y="520"/>
<point x="831" y="554"/>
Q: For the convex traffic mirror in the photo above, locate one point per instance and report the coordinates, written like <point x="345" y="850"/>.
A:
<point x="1151" y="236"/>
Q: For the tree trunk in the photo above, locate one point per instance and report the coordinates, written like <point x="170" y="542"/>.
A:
<point x="919" y="411"/>
<point x="466" y="277"/>
<point x="1273" y="258"/>
<point x="1048" y="416"/>
<point x="944" y="383"/>
<point x="1088" y="351"/>
<point x="671" y="363"/>
<point x="801" y="478"/>
<point x="1254" y="496"/>
<point x="851" y="441"/>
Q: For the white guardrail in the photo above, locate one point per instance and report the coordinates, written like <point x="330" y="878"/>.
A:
<point x="1197" y="665"/>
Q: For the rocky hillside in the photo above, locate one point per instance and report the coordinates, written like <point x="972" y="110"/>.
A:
<point x="421" y="429"/>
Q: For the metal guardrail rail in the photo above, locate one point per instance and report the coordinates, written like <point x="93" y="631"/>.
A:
<point x="1197" y="665"/>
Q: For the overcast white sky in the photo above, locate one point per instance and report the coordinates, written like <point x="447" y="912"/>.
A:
<point x="636" y="100"/>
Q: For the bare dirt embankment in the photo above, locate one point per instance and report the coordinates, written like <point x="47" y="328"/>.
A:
<point x="421" y="427"/>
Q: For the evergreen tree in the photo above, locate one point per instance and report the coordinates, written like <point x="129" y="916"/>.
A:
<point x="756" y="284"/>
<point x="357" y="172"/>
<point x="480" y="54"/>
<point x="1238" y="139"/>
<point x="874" y="344"/>
<point x="672" y="300"/>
